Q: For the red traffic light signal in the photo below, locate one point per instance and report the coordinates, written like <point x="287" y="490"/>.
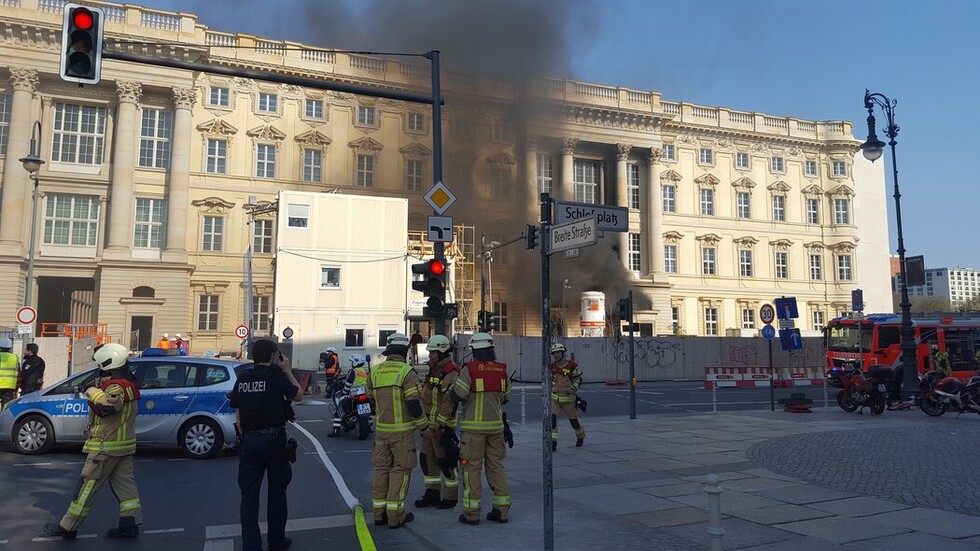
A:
<point x="81" y="44"/>
<point x="436" y="267"/>
<point x="82" y="18"/>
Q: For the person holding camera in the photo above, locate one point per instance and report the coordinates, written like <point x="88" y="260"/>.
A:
<point x="261" y="396"/>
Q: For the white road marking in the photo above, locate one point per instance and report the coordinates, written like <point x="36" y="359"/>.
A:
<point x="219" y="545"/>
<point x="179" y="459"/>
<point x="163" y="531"/>
<point x="292" y="525"/>
<point x="31" y="464"/>
<point x="58" y="538"/>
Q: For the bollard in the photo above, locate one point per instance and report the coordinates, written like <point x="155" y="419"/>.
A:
<point x="825" y="403"/>
<point x="715" y="531"/>
<point x="714" y="397"/>
<point x="523" y="408"/>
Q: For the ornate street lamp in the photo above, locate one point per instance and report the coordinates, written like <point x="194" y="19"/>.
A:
<point x="872" y="149"/>
<point x="32" y="163"/>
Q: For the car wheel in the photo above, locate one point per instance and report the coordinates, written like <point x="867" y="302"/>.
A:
<point x="200" y="438"/>
<point x="33" y="435"/>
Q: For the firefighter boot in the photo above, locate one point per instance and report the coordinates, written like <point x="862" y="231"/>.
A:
<point x="496" y="516"/>
<point x="464" y="520"/>
<point x="56" y="530"/>
<point x="430" y="498"/>
<point x="127" y="529"/>
<point x="446" y="504"/>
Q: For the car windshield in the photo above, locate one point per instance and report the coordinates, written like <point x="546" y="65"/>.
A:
<point x="844" y="338"/>
<point x="69" y="385"/>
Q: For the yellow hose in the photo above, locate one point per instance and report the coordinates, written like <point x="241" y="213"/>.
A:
<point x="363" y="534"/>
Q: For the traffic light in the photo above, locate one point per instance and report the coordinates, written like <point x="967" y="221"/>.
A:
<point x="81" y="44"/>
<point x="531" y="236"/>
<point x="487" y="321"/>
<point x="433" y="285"/>
<point x="625" y="312"/>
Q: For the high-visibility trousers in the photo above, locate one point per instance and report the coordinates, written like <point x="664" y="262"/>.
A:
<point x="569" y="410"/>
<point x="98" y="469"/>
<point x="479" y="450"/>
<point x="394" y="458"/>
<point x="433" y="452"/>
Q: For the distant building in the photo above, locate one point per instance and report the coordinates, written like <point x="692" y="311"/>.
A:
<point x="956" y="284"/>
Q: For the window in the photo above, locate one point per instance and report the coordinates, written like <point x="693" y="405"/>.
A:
<point x="668" y="152"/>
<point x="777" y="164"/>
<point x="502" y="132"/>
<point x="329" y="277"/>
<point x="707" y="202"/>
<point x="262" y="236"/>
<point x="634" y="252"/>
<point x="782" y="265"/>
<point x="366" y="116"/>
<point x="155" y="134"/>
<point x="708" y="261"/>
<point x="742" y="161"/>
<point x="742" y="204"/>
<point x="383" y="334"/>
<point x="268" y="103"/>
<point x="365" y="171"/>
<point x="633" y="185"/>
<point x="415" y="122"/>
<point x="813" y="211"/>
<point x="212" y="233"/>
<point x="354" y="337"/>
<point x="499" y="182"/>
<point x="675" y="318"/>
<point x="670" y="259"/>
<point x="312" y="165"/>
<point x="461" y="129"/>
<point x="779" y="208"/>
<point x="5" y="102"/>
<point x="261" y="310"/>
<point x="314" y="108"/>
<point x="748" y="318"/>
<point x="217" y="156"/>
<point x="265" y="161"/>
<point x="219" y="97"/>
<point x="842" y="211"/>
<point x="745" y="263"/>
<point x="816" y="267"/>
<point x="838" y="168"/>
<point x="843" y="267"/>
<point x="710" y="321"/>
<point x="503" y="323"/>
<point x="546" y="173"/>
<point x="670" y="198"/>
<point x="413" y="174"/>
<point x="297" y="216"/>
<point x="207" y="313"/>
<point x="71" y="220"/>
<point x="586" y="181"/>
<point x="149" y="224"/>
<point x="79" y="134"/>
<point x="810" y="168"/>
<point x="818" y="321"/>
<point x="706" y="156"/>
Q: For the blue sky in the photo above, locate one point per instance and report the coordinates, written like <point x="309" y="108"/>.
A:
<point x="811" y="59"/>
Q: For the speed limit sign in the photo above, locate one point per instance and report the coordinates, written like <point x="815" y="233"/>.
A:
<point x="767" y="313"/>
<point x="241" y="331"/>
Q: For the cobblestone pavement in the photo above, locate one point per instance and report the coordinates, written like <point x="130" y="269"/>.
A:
<point x="926" y="466"/>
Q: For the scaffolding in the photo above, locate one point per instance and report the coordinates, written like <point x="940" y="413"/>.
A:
<point x="461" y="255"/>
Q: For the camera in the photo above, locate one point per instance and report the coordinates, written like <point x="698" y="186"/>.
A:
<point x="290" y="452"/>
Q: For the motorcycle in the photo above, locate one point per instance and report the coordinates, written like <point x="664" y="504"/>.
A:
<point x="940" y="393"/>
<point x="354" y="410"/>
<point x="859" y="391"/>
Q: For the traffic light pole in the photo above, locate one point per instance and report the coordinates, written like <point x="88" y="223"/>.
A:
<point x="629" y="303"/>
<point x="439" y="249"/>
<point x="548" y="480"/>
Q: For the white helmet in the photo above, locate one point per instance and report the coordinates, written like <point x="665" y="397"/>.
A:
<point x="397" y="344"/>
<point x="558" y="347"/>
<point x="5" y="342"/>
<point x="178" y="335"/>
<point x="438" y="343"/>
<point x="166" y="336"/>
<point x="356" y="360"/>
<point x="481" y="340"/>
<point x="331" y="350"/>
<point x="110" y="356"/>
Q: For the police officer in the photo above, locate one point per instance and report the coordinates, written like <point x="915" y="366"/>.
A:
<point x="565" y="381"/>
<point x="261" y="396"/>
<point x="394" y="387"/>
<point x="485" y="388"/>
<point x="440" y="452"/>
<point x="9" y="372"/>
<point x="110" y="447"/>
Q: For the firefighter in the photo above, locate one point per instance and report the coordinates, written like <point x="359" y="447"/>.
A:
<point x="110" y="446"/>
<point x="565" y="380"/>
<point x="440" y="451"/>
<point x="940" y="361"/>
<point x="9" y="372"/>
<point x="485" y="388"/>
<point x="394" y="387"/>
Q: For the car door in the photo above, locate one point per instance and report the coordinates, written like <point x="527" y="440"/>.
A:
<point x="67" y="408"/>
<point x="167" y="388"/>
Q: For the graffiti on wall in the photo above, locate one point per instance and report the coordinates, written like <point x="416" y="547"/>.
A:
<point x="743" y="355"/>
<point x="652" y="352"/>
<point x="808" y="356"/>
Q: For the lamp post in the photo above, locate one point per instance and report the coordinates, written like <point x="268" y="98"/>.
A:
<point x="32" y="164"/>
<point x="872" y="149"/>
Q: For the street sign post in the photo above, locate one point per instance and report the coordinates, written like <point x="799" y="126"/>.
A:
<point x="606" y="218"/>
<point x="790" y="339"/>
<point x="439" y="198"/>
<point x="440" y="229"/>
<point x="768" y="332"/>
<point x="786" y="308"/>
<point x="574" y="234"/>
<point x="26" y="315"/>
<point x="857" y="300"/>
<point x="241" y="331"/>
<point x="287" y="333"/>
<point x="767" y="313"/>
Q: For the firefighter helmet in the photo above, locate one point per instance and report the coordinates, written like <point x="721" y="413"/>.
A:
<point x="110" y="356"/>
<point x="398" y="344"/>
<point x="438" y="343"/>
<point x="481" y="341"/>
<point x="558" y="347"/>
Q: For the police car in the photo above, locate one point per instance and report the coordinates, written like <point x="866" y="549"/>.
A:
<point x="183" y="403"/>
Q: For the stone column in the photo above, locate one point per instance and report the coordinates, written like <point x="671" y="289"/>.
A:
<point x="121" y="205"/>
<point x="655" y="215"/>
<point x="180" y="177"/>
<point x="16" y="180"/>
<point x="622" y="199"/>
<point x="567" y="191"/>
<point x="531" y="179"/>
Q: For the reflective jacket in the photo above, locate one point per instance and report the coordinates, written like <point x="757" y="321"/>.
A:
<point x="391" y="384"/>
<point x="485" y="388"/>
<point x="9" y="371"/>
<point x="565" y="380"/>
<point x="435" y="393"/>
<point x="112" y="418"/>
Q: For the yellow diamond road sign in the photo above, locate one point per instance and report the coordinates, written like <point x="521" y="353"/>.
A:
<point x="440" y="198"/>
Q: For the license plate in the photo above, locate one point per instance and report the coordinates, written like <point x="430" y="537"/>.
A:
<point x="363" y="409"/>
<point x="881" y="388"/>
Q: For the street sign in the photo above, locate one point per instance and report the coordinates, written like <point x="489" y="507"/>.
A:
<point x="787" y="324"/>
<point x="768" y="332"/>
<point x="572" y="253"/>
<point x="241" y="331"/>
<point x="571" y="235"/>
<point x="786" y="308"/>
<point x="606" y="218"/>
<point x="26" y="315"/>
<point x="25" y="329"/>
<point x="287" y="333"/>
<point x="439" y="198"/>
<point x="857" y="300"/>
<point x="790" y="339"/>
<point x="440" y="229"/>
<point x="767" y="313"/>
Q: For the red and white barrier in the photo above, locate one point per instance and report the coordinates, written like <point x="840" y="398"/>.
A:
<point x="761" y="377"/>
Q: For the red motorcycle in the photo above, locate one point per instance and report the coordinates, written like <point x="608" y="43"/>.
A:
<point x="858" y="391"/>
<point x="940" y="393"/>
